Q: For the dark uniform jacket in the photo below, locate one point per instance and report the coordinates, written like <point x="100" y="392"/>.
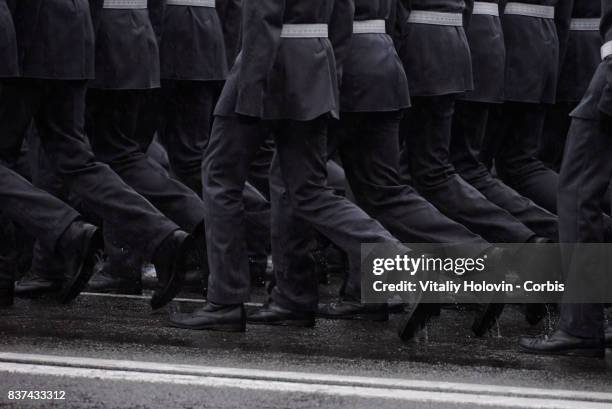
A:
<point x="55" y="39"/>
<point x="373" y="78"/>
<point x="486" y="39"/>
<point x="533" y="50"/>
<point x="582" y="55"/>
<point x="230" y="13"/>
<point x="127" y="55"/>
<point x="598" y="98"/>
<point x="436" y="58"/>
<point x="8" y="43"/>
<point x="192" y="46"/>
<point x="296" y="79"/>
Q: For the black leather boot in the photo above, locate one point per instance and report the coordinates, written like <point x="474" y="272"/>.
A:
<point x="80" y="246"/>
<point x="562" y="343"/>
<point x="107" y="283"/>
<point x="213" y="317"/>
<point x="170" y="265"/>
<point x="33" y="285"/>
<point x="346" y="309"/>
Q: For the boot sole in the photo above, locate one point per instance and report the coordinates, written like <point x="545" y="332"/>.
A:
<point x="177" y="279"/>
<point x="85" y="270"/>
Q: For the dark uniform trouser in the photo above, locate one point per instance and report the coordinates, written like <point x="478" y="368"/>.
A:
<point x="427" y="138"/>
<point x="58" y="109"/>
<point x="516" y="133"/>
<point x="552" y="144"/>
<point x="187" y="108"/>
<point x="368" y="145"/>
<point x="259" y="175"/>
<point x="301" y="149"/>
<point x="120" y="137"/>
<point x="585" y="174"/>
<point x="187" y="119"/>
<point x="469" y="128"/>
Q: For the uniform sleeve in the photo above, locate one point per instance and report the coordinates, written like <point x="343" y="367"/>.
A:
<point x="230" y="14"/>
<point x="605" y="104"/>
<point x="262" y="26"/>
<point x="341" y="32"/>
<point x="157" y="9"/>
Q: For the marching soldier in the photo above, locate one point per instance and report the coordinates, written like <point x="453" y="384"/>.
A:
<point x="194" y="66"/>
<point x="534" y="31"/>
<point x="582" y="56"/>
<point x="373" y="95"/>
<point x="56" y="50"/>
<point x="486" y="40"/>
<point x="585" y="174"/>
<point x="436" y="57"/>
<point x="284" y="83"/>
<point x="120" y="101"/>
<point x="58" y="226"/>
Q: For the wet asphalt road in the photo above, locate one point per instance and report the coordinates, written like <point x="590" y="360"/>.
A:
<point x="126" y="329"/>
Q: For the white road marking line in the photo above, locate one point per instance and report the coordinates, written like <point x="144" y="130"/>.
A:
<point x="283" y="381"/>
<point x="147" y="298"/>
<point x="306" y="388"/>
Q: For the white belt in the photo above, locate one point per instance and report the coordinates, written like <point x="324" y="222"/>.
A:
<point x="369" y="27"/>
<point x="125" y="4"/>
<point x="436" y="18"/>
<point x="606" y="50"/>
<point x="193" y="3"/>
<point x="304" y="31"/>
<point x="530" y="10"/>
<point x="585" y="24"/>
<point x="489" y="9"/>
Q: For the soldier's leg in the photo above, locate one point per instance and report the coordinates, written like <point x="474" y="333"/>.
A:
<point x="516" y="159"/>
<point x="293" y="243"/>
<point x="585" y="174"/>
<point x="47" y="270"/>
<point x="233" y="145"/>
<point x="427" y="143"/>
<point x="301" y="150"/>
<point x="59" y="108"/>
<point x="469" y="127"/>
<point x="118" y="139"/>
<point x="371" y="158"/>
<point x="187" y="109"/>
